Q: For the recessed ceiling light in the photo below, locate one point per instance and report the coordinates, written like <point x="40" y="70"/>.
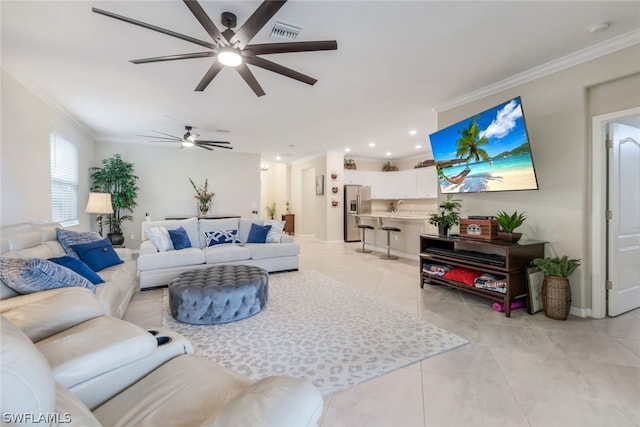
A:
<point x="388" y="153"/>
<point x="347" y="150"/>
<point x="372" y="144"/>
<point x="278" y="157"/>
<point x="418" y="146"/>
<point x="413" y="132"/>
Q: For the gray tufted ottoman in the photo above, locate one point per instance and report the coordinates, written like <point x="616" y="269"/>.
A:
<point x="218" y="294"/>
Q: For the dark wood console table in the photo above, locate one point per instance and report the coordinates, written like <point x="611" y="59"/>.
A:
<point x="515" y="258"/>
<point x="290" y="223"/>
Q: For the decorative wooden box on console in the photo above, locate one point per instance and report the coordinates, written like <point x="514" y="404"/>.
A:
<point x="486" y="229"/>
<point x="495" y="257"/>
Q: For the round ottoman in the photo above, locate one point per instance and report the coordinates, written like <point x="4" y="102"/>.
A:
<point x="218" y="294"/>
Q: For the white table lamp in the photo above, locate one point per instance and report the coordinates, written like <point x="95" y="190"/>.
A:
<point x="99" y="203"/>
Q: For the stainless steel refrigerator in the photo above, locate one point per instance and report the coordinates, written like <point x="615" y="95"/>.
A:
<point x="357" y="201"/>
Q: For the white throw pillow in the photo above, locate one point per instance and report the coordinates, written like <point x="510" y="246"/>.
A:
<point x="160" y="238"/>
<point x="275" y="234"/>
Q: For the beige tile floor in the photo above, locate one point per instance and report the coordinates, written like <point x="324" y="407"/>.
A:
<point x="522" y="371"/>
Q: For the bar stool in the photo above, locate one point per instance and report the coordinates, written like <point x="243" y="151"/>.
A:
<point x="389" y="230"/>
<point x="364" y="228"/>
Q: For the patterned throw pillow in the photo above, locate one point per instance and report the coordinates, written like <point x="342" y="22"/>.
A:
<point x="221" y="237"/>
<point x="68" y="238"/>
<point x="275" y="234"/>
<point x="160" y="238"/>
<point x="29" y="275"/>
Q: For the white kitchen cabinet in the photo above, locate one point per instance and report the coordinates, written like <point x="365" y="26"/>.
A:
<point x="418" y="183"/>
<point x="426" y="183"/>
<point x="405" y="184"/>
<point x="354" y="177"/>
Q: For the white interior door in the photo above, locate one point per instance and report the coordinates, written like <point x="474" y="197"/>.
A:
<point x="623" y="254"/>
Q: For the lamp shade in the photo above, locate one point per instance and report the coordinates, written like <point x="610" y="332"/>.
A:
<point x="99" y="203"/>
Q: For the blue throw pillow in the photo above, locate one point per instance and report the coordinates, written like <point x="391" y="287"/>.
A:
<point x="98" y="255"/>
<point x="258" y="233"/>
<point x="79" y="267"/>
<point x="180" y="238"/>
<point x="221" y="237"/>
<point x="68" y="238"/>
<point x="29" y="275"/>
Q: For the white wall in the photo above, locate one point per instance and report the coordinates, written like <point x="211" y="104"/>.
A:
<point x="557" y="113"/>
<point x="165" y="190"/>
<point x="25" y="177"/>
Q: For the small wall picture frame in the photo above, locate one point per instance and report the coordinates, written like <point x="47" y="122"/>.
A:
<point x="320" y="185"/>
<point x="535" y="277"/>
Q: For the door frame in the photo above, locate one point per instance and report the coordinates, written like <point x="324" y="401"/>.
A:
<point x="599" y="191"/>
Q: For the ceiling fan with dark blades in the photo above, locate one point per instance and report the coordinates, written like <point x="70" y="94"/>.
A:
<point x="231" y="48"/>
<point x="189" y="139"/>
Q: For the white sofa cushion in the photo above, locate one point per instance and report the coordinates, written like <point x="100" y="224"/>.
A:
<point x="272" y="250"/>
<point x="188" y="256"/>
<point x="34" y="315"/>
<point x="190" y="225"/>
<point x="94" y="347"/>
<point x="226" y="253"/>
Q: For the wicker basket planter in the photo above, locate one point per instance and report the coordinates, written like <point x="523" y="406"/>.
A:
<point x="556" y="297"/>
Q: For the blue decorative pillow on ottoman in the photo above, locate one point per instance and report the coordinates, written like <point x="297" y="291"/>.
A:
<point x="29" y="275"/>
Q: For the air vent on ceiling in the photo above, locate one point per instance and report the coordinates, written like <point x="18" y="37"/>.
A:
<point x="282" y="31"/>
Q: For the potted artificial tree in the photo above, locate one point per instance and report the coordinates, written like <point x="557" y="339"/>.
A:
<point x="271" y="210"/>
<point x="448" y="216"/>
<point x="116" y="177"/>
<point x="508" y="223"/>
<point x="556" y="291"/>
<point x="350" y="164"/>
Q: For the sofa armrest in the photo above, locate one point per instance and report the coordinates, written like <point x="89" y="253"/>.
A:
<point x="286" y="239"/>
<point x="123" y="253"/>
<point x="42" y="314"/>
<point x="147" y="248"/>
<point x="273" y="401"/>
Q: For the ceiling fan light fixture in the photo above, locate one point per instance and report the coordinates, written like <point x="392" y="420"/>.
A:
<point x="187" y="143"/>
<point x="230" y="57"/>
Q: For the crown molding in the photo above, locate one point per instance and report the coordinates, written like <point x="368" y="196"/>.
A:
<point x="40" y="94"/>
<point x="617" y="43"/>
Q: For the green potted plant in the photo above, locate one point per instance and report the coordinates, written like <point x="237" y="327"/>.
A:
<point x="203" y="196"/>
<point x="350" y="164"/>
<point x="388" y="167"/>
<point x="271" y="210"/>
<point x="556" y="290"/>
<point x="508" y="223"/>
<point x="117" y="177"/>
<point x="448" y="215"/>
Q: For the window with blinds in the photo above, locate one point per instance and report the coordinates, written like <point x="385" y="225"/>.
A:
<point x="64" y="181"/>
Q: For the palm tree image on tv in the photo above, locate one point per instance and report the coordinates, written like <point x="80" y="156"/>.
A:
<point x="487" y="152"/>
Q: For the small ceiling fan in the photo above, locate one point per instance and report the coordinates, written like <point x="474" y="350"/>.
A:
<point x="231" y="48"/>
<point x="190" y="139"/>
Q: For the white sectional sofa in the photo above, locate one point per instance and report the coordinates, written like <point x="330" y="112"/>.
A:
<point x="157" y="268"/>
<point x="38" y="240"/>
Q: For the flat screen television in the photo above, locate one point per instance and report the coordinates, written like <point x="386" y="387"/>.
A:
<point x="486" y="152"/>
